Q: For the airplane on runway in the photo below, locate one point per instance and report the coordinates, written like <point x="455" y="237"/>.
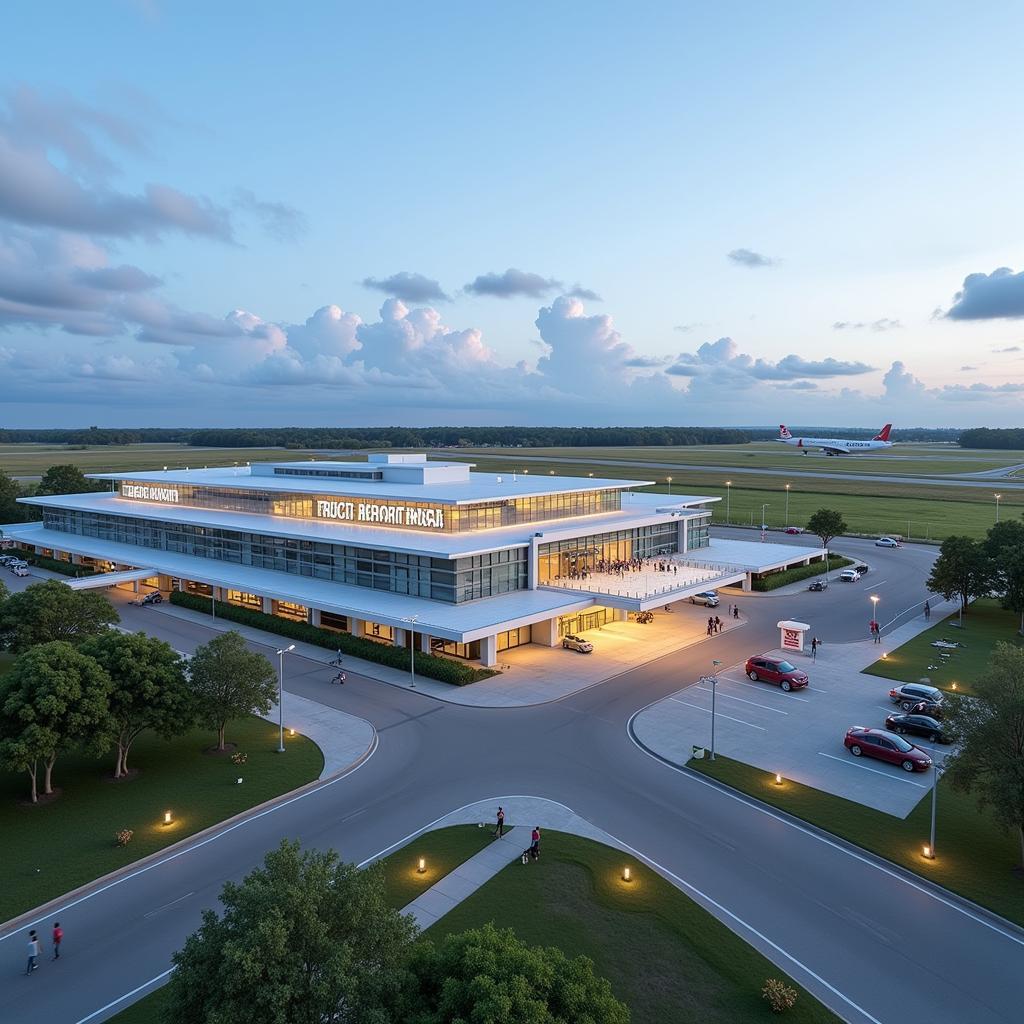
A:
<point x="835" y="445"/>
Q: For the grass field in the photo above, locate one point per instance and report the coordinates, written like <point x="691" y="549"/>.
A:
<point x="51" y="848"/>
<point x="972" y="858"/>
<point x="985" y="625"/>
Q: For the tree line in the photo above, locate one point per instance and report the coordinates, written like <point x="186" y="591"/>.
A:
<point x="993" y="437"/>
<point x="65" y="479"/>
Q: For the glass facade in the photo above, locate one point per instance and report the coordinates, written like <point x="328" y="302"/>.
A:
<point x="486" y="515"/>
<point x="697" y="532"/>
<point x="560" y="558"/>
<point x="440" y="579"/>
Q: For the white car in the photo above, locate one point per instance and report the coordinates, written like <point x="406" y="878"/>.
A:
<point x="577" y="643"/>
<point x="20" y="570"/>
<point x="887" y="542"/>
<point x="849" y="576"/>
<point x="709" y="599"/>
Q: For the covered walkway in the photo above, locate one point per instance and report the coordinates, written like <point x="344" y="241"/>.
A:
<point x="110" y="579"/>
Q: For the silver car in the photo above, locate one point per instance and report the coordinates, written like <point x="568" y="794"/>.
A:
<point x="709" y="599"/>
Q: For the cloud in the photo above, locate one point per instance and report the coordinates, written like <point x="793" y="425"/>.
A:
<point x="513" y="283"/>
<point x="647" y="362"/>
<point x="279" y="220"/>
<point x="579" y="292"/>
<point x="900" y="384"/>
<point x="408" y="287"/>
<point x="989" y="296"/>
<point x="884" y="324"/>
<point x="1009" y="348"/>
<point x="798" y="385"/>
<point x="686" y="328"/>
<point x="751" y="259"/>
<point x="965" y="368"/>
<point x="118" y="279"/>
<point x="583" y="351"/>
<point x="978" y="392"/>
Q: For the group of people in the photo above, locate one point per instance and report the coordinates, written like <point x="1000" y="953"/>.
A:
<point x="532" y="852"/>
<point x="35" y="947"/>
<point x="876" y="631"/>
<point x="714" y="625"/>
<point x="620" y="567"/>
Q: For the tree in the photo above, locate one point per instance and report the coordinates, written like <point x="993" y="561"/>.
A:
<point x="990" y="730"/>
<point x="53" y="611"/>
<point x="488" y="975"/>
<point x="963" y="570"/>
<point x="149" y="688"/>
<point x="827" y="524"/>
<point x="52" y="698"/>
<point x="66" y="479"/>
<point x="10" y="491"/>
<point x="1004" y="545"/>
<point x="304" y="938"/>
<point x="230" y="681"/>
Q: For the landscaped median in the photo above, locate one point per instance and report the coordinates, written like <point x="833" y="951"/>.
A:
<point x="443" y="669"/>
<point x="774" y="580"/>
<point x="984" y="625"/>
<point x="973" y="857"/>
<point x="54" y="847"/>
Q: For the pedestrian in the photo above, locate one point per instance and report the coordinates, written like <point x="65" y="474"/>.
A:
<point x="33" y="953"/>
<point x="814" y="648"/>
<point x="735" y="611"/>
<point x="58" y="938"/>
<point x="535" y="843"/>
<point x="499" y="830"/>
<point x="927" y="611"/>
<point x="711" y="625"/>
<point x="718" y="624"/>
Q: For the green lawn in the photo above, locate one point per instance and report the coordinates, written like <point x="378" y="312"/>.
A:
<point x="973" y="857"/>
<point x="985" y="624"/>
<point x="668" y="959"/>
<point x="49" y="849"/>
<point x="442" y="849"/>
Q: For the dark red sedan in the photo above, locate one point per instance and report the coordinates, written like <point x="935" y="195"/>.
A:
<point x="886" y="746"/>
<point x="766" y="669"/>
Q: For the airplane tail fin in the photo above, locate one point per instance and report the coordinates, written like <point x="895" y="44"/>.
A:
<point x="784" y="433"/>
<point x="883" y="434"/>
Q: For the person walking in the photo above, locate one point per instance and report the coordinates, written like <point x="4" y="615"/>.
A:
<point x="711" y="625"/>
<point x="535" y="843"/>
<point x="499" y="829"/>
<point x="718" y="624"/>
<point x="927" y="611"/>
<point x="814" y="648"/>
<point x="58" y="938"/>
<point x="33" y="953"/>
<point x="735" y="611"/>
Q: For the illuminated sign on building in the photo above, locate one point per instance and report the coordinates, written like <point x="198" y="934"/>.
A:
<point x="385" y="515"/>
<point x="145" y="492"/>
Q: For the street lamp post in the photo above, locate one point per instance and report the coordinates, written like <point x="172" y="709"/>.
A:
<point x="874" y="611"/>
<point x="670" y="491"/>
<point x="929" y="850"/>
<point x="787" y="504"/>
<point x="997" y="497"/>
<point x="280" y="694"/>
<point x="411" y="619"/>
<point x="728" y="493"/>
<point x="764" y="534"/>
<point x="714" y="685"/>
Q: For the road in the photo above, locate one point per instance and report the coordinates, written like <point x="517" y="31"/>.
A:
<point x="871" y="944"/>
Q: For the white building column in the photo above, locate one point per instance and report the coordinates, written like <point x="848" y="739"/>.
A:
<point x="355" y="627"/>
<point x="135" y="586"/>
<point x="268" y="605"/>
<point x="76" y="559"/>
<point x="399" y="640"/>
<point x="620" y="615"/>
<point x="545" y="633"/>
<point x="424" y="643"/>
<point x="489" y="650"/>
<point x="532" y="562"/>
<point x="746" y="583"/>
<point x="682" y="536"/>
<point x="314" y="616"/>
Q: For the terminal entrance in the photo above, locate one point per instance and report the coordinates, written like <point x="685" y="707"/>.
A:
<point x="592" y="618"/>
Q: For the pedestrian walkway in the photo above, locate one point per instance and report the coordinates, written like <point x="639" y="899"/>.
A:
<point x="342" y="738"/>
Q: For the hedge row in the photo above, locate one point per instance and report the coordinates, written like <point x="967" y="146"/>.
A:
<point x="358" y="647"/>
<point x="53" y="564"/>
<point x="799" y="572"/>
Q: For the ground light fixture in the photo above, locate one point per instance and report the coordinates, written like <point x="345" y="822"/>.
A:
<point x="168" y="818"/>
<point x="778" y="779"/>
<point x="422" y="866"/>
<point x="291" y="732"/>
<point x="627" y="874"/>
<point x="669" y="479"/>
<point x="953" y="685"/>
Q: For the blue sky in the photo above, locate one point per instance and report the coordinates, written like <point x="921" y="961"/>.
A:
<point x="575" y="213"/>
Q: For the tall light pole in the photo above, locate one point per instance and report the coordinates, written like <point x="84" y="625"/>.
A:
<point x="728" y="492"/>
<point x="874" y="611"/>
<point x="929" y="850"/>
<point x="670" y="491"/>
<point x="714" y="685"/>
<point x="280" y="694"/>
<point x="411" y="619"/>
<point x="787" y="505"/>
<point x="763" y="524"/>
<point x="997" y="497"/>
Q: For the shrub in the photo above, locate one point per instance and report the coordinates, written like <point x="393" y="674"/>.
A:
<point x="799" y="572"/>
<point x="124" y="837"/>
<point x="239" y="758"/>
<point x="427" y="665"/>
<point x="779" y="996"/>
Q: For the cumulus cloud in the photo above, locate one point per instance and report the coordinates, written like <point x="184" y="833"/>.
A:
<point x="408" y="287"/>
<point x="884" y="324"/>
<point x="749" y="258"/>
<point x="900" y="384"/>
<point x="582" y="348"/>
<point x="577" y="291"/>
<point x="999" y="295"/>
<point x="513" y="283"/>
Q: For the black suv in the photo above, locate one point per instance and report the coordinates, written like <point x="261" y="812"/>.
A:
<point x="917" y="725"/>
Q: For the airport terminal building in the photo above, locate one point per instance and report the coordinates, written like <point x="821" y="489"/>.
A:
<point x="402" y="549"/>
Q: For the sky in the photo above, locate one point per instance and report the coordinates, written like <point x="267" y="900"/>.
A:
<point x="242" y="214"/>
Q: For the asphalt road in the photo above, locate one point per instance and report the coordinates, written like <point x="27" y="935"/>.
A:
<point x="870" y="943"/>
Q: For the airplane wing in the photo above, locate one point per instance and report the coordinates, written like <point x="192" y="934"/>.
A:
<point x="832" y="450"/>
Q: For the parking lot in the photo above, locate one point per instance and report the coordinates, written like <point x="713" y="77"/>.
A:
<point x="798" y="734"/>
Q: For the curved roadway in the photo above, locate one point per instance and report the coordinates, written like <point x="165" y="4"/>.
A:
<point x="868" y="940"/>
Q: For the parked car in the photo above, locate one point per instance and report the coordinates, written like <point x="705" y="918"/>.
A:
<point x="577" y="643"/>
<point x="849" y="576"/>
<point x="17" y="563"/>
<point x="6" y="559"/>
<point x="886" y="746"/>
<point x="709" y="599"/>
<point x="909" y="694"/>
<point x="794" y="529"/>
<point x="153" y="597"/>
<point x="765" y="669"/>
<point x="927" y="707"/>
<point x="20" y="570"/>
<point x="861" y="568"/>
<point x="887" y="542"/>
<point x="819" y="585"/>
<point x="917" y="725"/>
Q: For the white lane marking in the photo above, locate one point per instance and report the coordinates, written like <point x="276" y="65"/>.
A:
<point x="819" y="836"/>
<point x="718" y="714"/>
<point x="743" y="700"/>
<point x="876" y="771"/>
<point x="158" y="910"/>
<point x="127" y="995"/>
<point x="774" y="691"/>
<point x="195" y="846"/>
<point x="875" y="586"/>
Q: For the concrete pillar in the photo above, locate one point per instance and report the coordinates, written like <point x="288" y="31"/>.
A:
<point x="135" y="586"/>
<point x="76" y="559"/>
<point x="399" y="640"/>
<point x="314" y="616"/>
<point x="489" y="651"/>
<point x="746" y="582"/>
<point x="356" y="627"/>
<point x="545" y="633"/>
<point x="682" y="536"/>
<point x="531" y="568"/>
<point x="806" y="561"/>
<point x="620" y="615"/>
<point x="424" y="645"/>
<point x="268" y="606"/>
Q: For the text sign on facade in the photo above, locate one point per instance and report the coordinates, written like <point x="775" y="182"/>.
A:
<point x="383" y="514"/>
<point x="146" y="492"/>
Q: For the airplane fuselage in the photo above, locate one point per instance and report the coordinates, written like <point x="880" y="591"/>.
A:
<point x="833" y="445"/>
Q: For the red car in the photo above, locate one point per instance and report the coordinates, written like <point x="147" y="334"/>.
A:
<point x="765" y="669"/>
<point x="886" y="746"/>
<point x="794" y="529"/>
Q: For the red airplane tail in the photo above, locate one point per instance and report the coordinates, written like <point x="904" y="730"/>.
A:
<point x="883" y="434"/>
<point x="784" y="431"/>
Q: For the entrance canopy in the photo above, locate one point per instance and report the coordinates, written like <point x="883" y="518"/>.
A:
<point x="109" y="579"/>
